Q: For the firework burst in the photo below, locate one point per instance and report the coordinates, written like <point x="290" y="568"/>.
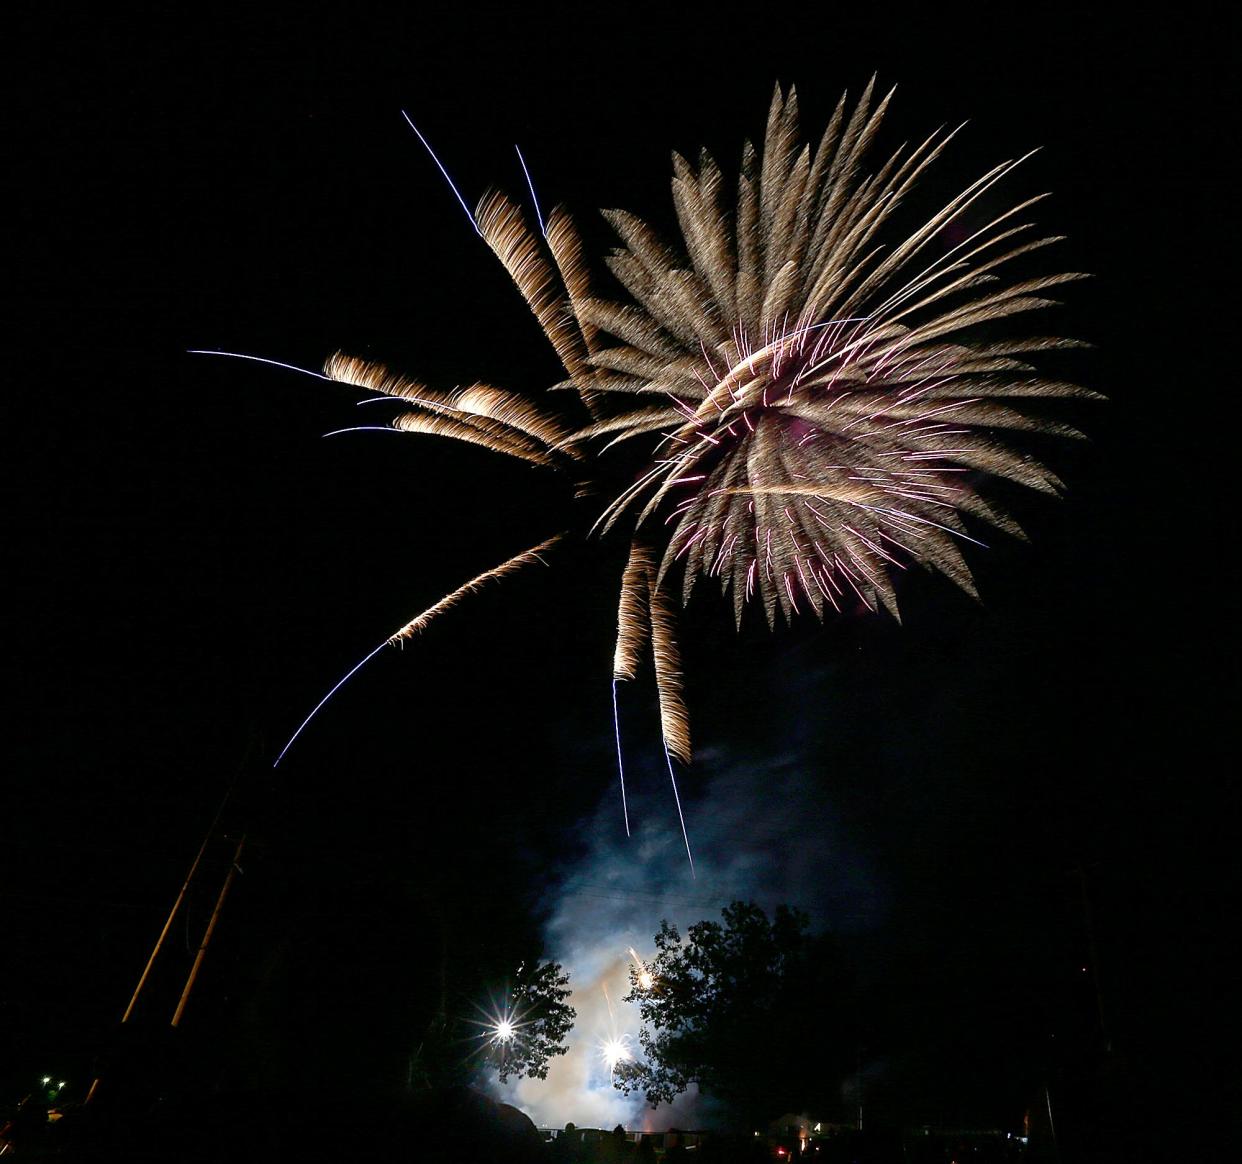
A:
<point x="812" y="397"/>
<point x="640" y="973"/>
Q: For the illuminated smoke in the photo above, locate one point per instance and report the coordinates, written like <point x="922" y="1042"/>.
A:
<point x="764" y="832"/>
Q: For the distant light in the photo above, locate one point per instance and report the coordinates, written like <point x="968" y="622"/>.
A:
<point x="46" y="1080"/>
<point x="60" y="1084"/>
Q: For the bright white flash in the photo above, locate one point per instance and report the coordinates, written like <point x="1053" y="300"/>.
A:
<point x="504" y="1031"/>
<point x="614" y="1051"/>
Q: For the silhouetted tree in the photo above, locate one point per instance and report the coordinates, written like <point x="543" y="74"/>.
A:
<point x="752" y="1011"/>
<point x="537" y="1021"/>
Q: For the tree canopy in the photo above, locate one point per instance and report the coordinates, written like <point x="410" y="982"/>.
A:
<point x="754" y="1011"/>
<point x="517" y="1035"/>
<point x="532" y="1028"/>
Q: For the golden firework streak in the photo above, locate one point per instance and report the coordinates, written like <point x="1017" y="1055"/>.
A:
<point x="417" y="624"/>
<point x="815" y="402"/>
<point x="632" y="618"/>
<point x="525" y="558"/>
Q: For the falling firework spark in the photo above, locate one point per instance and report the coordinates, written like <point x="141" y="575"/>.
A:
<point x="813" y="398"/>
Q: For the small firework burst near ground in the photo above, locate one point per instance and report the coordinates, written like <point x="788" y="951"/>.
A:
<point x="611" y="902"/>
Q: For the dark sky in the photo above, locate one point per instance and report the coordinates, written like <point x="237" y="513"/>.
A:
<point x="194" y="565"/>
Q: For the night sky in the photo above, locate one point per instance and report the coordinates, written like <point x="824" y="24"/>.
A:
<point x="194" y="565"/>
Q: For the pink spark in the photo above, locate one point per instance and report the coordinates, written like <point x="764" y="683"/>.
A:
<point x="789" y="591"/>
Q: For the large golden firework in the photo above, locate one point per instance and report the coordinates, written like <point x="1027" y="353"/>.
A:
<point x="815" y="402"/>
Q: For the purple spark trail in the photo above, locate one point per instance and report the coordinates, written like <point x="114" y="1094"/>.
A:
<point x="443" y="171"/>
<point x="335" y="688"/>
<point x="362" y="428"/>
<point x="533" y="196"/>
<point x="258" y="360"/>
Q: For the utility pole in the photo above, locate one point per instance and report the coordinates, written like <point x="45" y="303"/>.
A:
<point x="1093" y="955"/>
<point x="1052" y="1127"/>
<point x="176" y="907"/>
<point x="211" y="926"/>
<point x="858" y="1082"/>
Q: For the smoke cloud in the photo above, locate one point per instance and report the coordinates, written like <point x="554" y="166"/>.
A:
<point x="761" y="830"/>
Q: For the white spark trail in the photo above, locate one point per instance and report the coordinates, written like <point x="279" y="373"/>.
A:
<point x="440" y="167"/>
<point x="363" y="428"/>
<point x="335" y="688"/>
<point x="680" y="815"/>
<point x="533" y="196"/>
<point x="616" y="723"/>
<point x="258" y="360"/>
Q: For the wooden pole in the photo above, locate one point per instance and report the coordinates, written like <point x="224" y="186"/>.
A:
<point x="1094" y="956"/>
<point x="172" y="913"/>
<point x="159" y="942"/>
<point x="211" y="926"/>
